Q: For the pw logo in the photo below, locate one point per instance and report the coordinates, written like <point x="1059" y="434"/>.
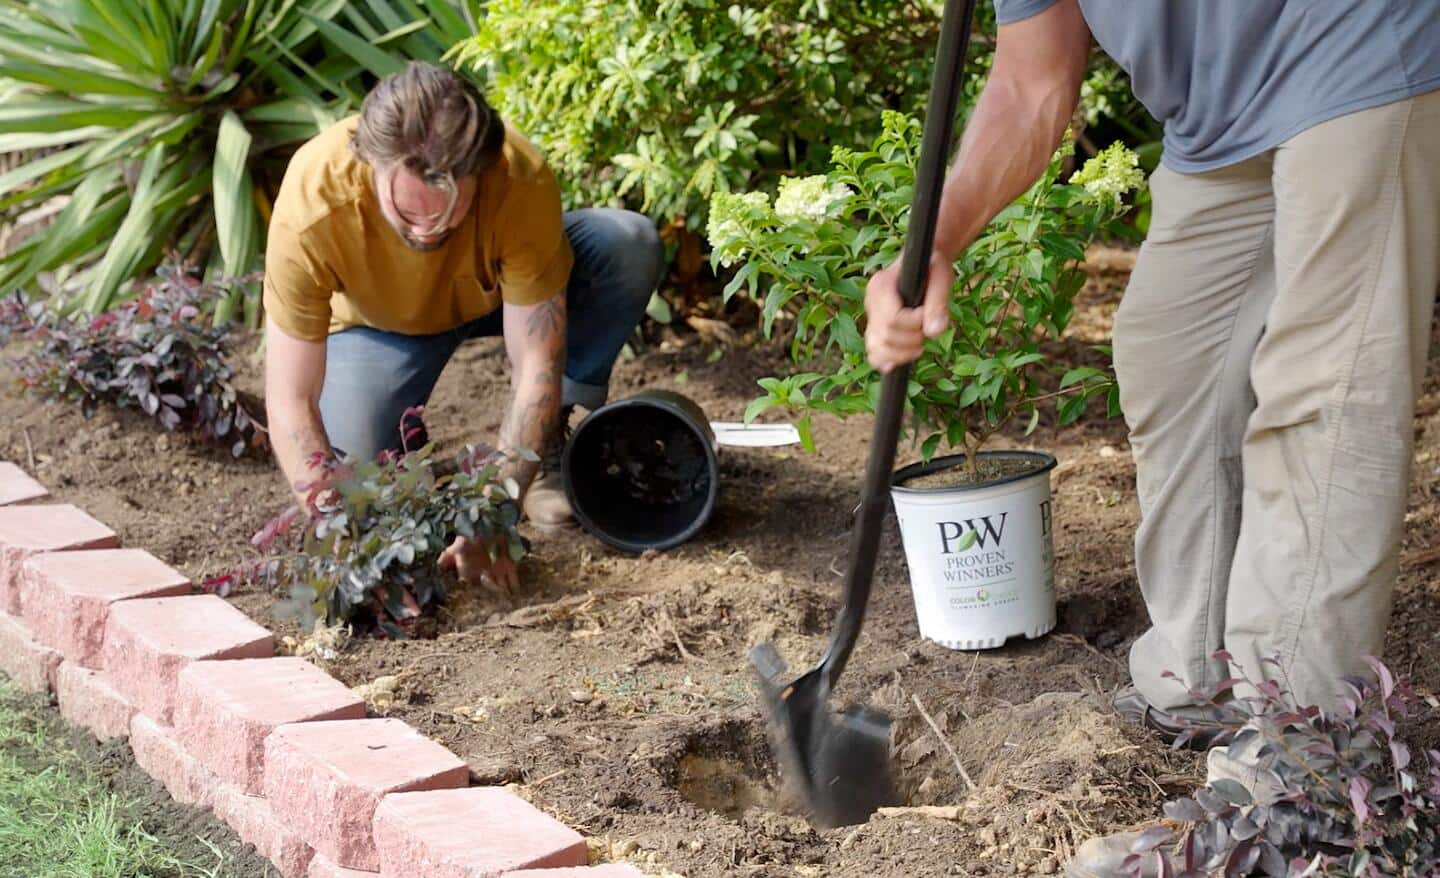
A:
<point x="958" y="536"/>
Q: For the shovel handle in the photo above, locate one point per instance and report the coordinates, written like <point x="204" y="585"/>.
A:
<point x="914" y="266"/>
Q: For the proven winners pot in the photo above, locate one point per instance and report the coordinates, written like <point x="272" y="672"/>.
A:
<point x="980" y="553"/>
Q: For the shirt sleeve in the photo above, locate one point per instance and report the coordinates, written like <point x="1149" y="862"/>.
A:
<point x="535" y="255"/>
<point x="297" y="295"/>
<point x="1011" y="11"/>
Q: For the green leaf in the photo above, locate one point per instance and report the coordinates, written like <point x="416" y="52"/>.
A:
<point x="1112" y="402"/>
<point x="1075" y="376"/>
<point x="1034" y="421"/>
<point x="807" y="437"/>
<point x="11" y="181"/>
<point x="451" y="23"/>
<point x="1034" y="266"/>
<point x="658" y="309"/>
<point x="131" y="240"/>
<point x="757" y="407"/>
<point x="1071" y="409"/>
<point x="41" y="114"/>
<point x="236" y="224"/>
<point x="927" y="448"/>
<point x="377" y="61"/>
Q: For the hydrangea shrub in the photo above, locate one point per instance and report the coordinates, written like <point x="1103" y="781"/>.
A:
<point x="806" y="258"/>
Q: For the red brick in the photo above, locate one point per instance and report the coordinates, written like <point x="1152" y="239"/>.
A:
<point x="479" y="832"/>
<point x="609" y="870"/>
<point x="16" y="485"/>
<point x="325" y="779"/>
<point x="89" y="701"/>
<point x="29" y="530"/>
<point x="29" y="664"/>
<point x="320" y="867"/>
<point x="148" y="643"/>
<point x="67" y="595"/>
<point x="254" y="821"/>
<point x="224" y="711"/>
<point x="159" y="754"/>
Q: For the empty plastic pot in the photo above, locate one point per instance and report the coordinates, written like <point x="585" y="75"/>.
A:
<point x="641" y="473"/>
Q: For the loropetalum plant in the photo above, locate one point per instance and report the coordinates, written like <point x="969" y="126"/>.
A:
<point x="809" y="254"/>
<point x="1350" y="798"/>
<point x="160" y="352"/>
<point x="367" y="547"/>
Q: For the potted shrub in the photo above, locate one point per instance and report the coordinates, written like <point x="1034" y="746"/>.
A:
<point x="976" y="522"/>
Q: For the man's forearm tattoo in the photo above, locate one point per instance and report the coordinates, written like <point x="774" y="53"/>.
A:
<point x="535" y="402"/>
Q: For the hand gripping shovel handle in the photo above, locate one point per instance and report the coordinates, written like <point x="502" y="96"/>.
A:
<point x="914" y="266"/>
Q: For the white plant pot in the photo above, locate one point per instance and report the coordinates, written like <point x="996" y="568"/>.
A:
<point x="982" y="563"/>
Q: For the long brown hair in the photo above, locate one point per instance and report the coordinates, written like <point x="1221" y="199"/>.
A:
<point x="432" y="121"/>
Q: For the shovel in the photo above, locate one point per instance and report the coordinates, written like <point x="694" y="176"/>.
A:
<point x="840" y="766"/>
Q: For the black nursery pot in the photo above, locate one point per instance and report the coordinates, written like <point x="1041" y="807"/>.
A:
<point x="641" y="473"/>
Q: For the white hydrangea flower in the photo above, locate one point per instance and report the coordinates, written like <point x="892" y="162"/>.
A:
<point x="731" y="213"/>
<point x="1111" y="174"/>
<point x="807" y="198"/>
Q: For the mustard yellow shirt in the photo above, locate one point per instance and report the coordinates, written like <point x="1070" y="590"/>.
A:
<point x="333" y="262"/>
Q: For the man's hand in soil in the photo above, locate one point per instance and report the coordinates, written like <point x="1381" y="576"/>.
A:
<point x="473" y="562"/>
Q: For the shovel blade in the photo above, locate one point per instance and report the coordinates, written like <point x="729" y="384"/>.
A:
<point x="850" y="766"/>
<point x="839" y="766"/>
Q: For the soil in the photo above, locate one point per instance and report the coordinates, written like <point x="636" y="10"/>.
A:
<point x="188" y="834"/>
<point x="989" y="468"/>
<point x="616" y="694"/>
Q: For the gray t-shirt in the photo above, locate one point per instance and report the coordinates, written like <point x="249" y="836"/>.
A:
<point x="1232" y="78"/>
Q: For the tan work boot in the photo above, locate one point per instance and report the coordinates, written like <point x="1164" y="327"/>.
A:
<point x="545" y="503"/>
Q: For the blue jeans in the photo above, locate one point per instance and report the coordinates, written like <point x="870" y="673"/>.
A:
<point x="372" y="376"/>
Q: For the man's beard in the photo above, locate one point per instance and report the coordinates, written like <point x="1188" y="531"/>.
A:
<point x="425" y="247"/>
<point x="415" y="245"/>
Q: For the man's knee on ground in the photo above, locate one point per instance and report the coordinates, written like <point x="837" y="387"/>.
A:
<point x="634" y="254"/>
<point x="362" y="435"/>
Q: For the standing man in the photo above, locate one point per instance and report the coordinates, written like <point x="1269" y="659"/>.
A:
<point x="1272" y="340"/>
<point x="420" y="223"/>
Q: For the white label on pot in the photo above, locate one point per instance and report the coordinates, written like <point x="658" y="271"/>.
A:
<point x="981" y="561"/>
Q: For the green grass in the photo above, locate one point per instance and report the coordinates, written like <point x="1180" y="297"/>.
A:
<point x="57" y="817"/>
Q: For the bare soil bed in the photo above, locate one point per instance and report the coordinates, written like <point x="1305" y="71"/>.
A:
<point x="615" y="693"/>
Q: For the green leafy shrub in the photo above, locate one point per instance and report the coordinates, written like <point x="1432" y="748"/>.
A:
<point x="369" y="548"/>
<point x="159" y="353"/>
<point x="808" y="255"/>
<point x="1351" y="802"/>
<point x="670" y="101"/>
<point x="167" y="123"/>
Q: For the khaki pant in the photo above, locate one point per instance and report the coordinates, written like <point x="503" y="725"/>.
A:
<point x="1270" y="349"/>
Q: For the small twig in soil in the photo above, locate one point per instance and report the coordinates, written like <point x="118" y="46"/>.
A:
<point x="549" y="777"/>
<point x="1079" y="641"/>
<point x="941" y="735"/>
<point x="973" y="665"/>
<point x="1420" y="558"/>
<point x="684" y="653"/>
<point x="420" y="658"/>
<point x="539" y="614"/>
<point x="29" y="450"/>
<point x="939" y="812"/>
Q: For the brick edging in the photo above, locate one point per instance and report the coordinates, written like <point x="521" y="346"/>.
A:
<point x="273" y="746"/>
